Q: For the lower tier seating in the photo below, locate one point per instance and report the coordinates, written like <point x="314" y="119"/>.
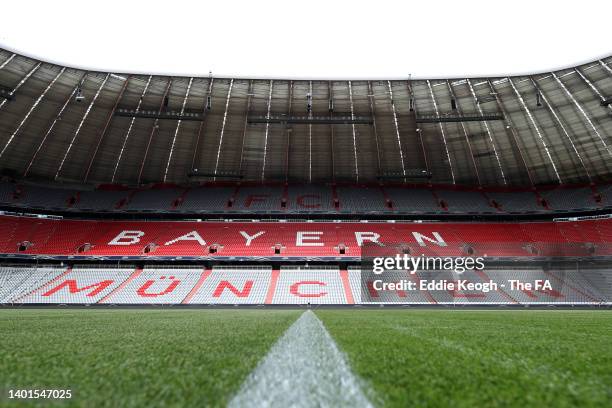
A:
<point x="258" y="285"/>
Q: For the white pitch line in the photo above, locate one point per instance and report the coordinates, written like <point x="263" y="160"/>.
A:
<point x="304" y="368"/>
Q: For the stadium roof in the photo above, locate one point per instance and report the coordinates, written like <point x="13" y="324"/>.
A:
<point x="72" y="125"/>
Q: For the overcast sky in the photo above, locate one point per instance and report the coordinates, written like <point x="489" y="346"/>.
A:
<point x="311" y="39"/>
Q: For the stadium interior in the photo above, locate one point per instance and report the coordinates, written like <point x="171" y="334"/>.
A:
<point x="164" y="190"/>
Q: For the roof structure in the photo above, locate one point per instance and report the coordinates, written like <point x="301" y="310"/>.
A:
<point x="69" y="125"/>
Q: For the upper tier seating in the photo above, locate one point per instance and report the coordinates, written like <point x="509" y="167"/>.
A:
<point x="261" y="198"/>
<point x="304" y="199"/>
<point x="207" y="199"/>
<point x="470" y="202"/>
<point x="101" y="200"/>
<point x="517" y="201"/>
<point x="309" y="198"/>
<point x="43" y="197"/>
<point x="361" y="200"/>
<point x="412" y="200"/>
<point x="155" y="199"/>
<point x="568" y="199"/>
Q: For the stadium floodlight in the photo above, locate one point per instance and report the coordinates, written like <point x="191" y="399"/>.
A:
<point x="408" y="174"/>
<point x="6" y="94"/>
<point x="79" y="95"/>
<point x="454" y="117"/>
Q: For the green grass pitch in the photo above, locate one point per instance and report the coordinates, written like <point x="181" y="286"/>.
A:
<point x="200" y="357"/>
<point x="437" y="358"/>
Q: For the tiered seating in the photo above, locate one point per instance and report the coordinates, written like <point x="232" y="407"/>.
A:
<point x="567" y="199"/>
<point x="598" y="279"/>
<point x="309" y="286"/>
<point x="43" y="197"/>
<point x="234" y="285"/>
<point x="6" y="193"/>
<point x="516" y="202"/>
<point x="300" y="239"/>
<point x="310" y="198"/>
<point x="466" y="202"/>
<point x="80" y="285"/>
<point x="256" y="285"/>
<point x="370" y="294"/>
<point x="151" y="200"/>
<point x="412" y="200"/>
<point x="156" y="286"/>
<point x="564" y="289"/>
<point x="206" y="199"/>
<point x="361" y="200"/>
<point x="17" y="281"/>
<point x="259" y="198"/>
<point x="99" y="200"/>
<point x="606" y="194"/>
<point x="295" y="198"/>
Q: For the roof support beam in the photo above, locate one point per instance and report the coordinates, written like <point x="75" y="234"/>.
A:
<point x="245" y="125"/>
<point x="196" y="151"/>
<point x="23" y="81"/>
<point x="55" y="120"/>
<point x="562" y="127"/>
<point x="605" y="66"/>
<point x="311" y="120"/>
<point x="6" y="62"/>
<point x="27" y="115"/>
<point x="373" y="114"/>
<point x="310" y="134"/>
<point x="537" y="130"/>
<point x="105" y="129"/>
<point x="413" y="107"/>
<point x="154" y="128"/>
<point x="465" y="133"/>
<point x="514" y="139"/>
<point x="330" y="91"/>
<point x="457" y="118"/>
<point x="604" y="101"/>
<point x="397" y="132"/>
<point x="129" y="131"/>
<point x="489" y="133"/>
<point x="176" y="130"/>
<point x="78" y="130"/>
<point x="263" y="165"/>
<point x="584" y="115"/>
<point x="288" y="132"/>
<point x="350" y="87"/>
<point x="435" y="104"/>
<point x="227" y="102"/>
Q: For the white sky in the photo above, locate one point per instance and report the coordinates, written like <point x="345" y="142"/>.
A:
<point x="311" y="39"/>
